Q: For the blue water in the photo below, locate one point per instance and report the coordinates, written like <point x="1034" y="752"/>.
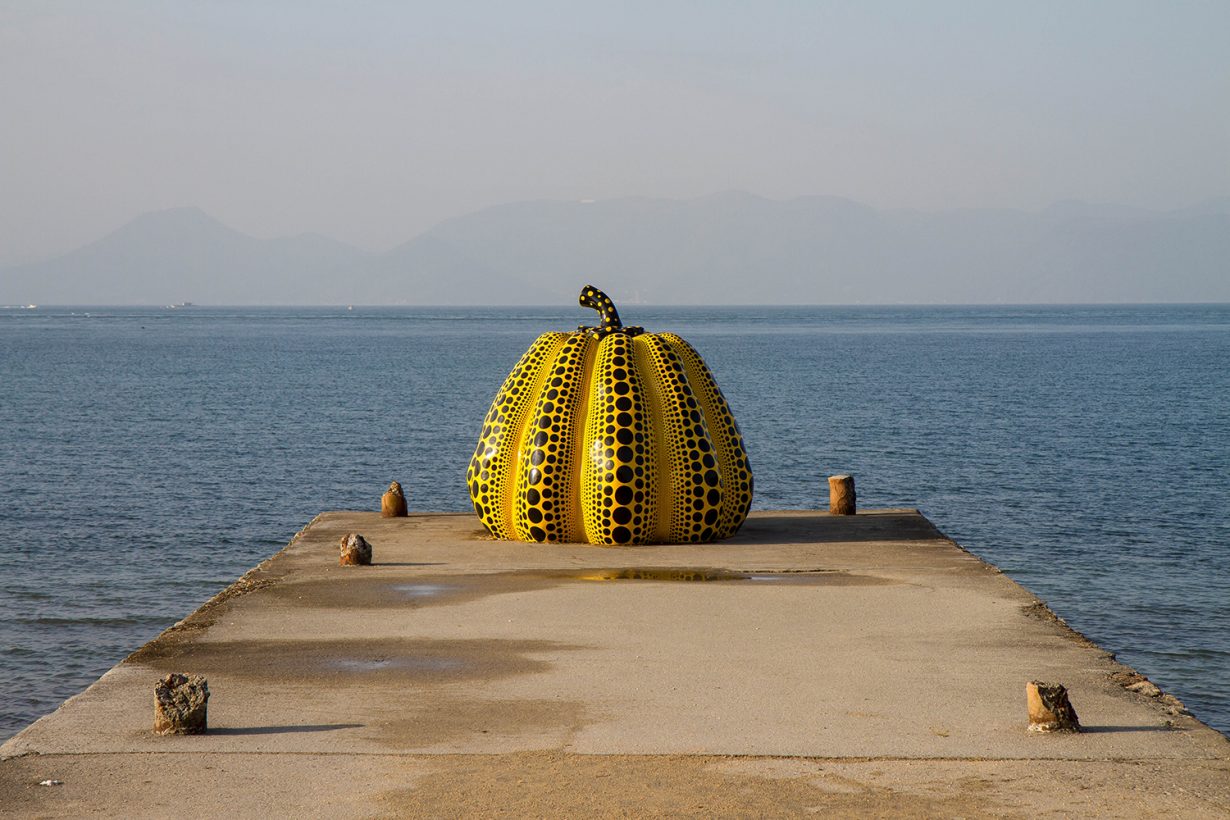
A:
<point x="148" y="457"/>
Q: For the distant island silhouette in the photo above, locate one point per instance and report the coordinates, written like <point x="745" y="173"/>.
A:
<point x="729" y="248"/>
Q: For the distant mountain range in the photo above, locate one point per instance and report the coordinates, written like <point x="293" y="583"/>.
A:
<point x="727" y="248"/>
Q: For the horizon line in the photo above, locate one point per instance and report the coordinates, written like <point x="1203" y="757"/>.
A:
<point x="190" y="306"/>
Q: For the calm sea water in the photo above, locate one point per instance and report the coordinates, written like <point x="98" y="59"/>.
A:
<point x="149" y="457"/>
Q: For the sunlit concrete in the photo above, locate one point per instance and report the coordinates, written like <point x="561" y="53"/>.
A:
<point x="849" y="664"/>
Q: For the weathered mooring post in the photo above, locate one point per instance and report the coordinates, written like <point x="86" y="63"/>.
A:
<point x="355" y="551"/>
<point x="841" y="495"/>
<point x="393" y="502"/>
<point x="180" y="705"/>
<point x="1049" y="708"/>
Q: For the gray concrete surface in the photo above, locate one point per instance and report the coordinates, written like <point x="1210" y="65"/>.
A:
<point x="848" y="665"/>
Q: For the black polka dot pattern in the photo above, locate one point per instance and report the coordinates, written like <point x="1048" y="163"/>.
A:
<point x="691" y="510"/>
<point x="493" y="471"/>
<point x="591" y="297"/>
<point x="546" y="495"/>
<point x="612" y="436"/>
<point x="619" y="461"/>
<point x="736" y="470"/>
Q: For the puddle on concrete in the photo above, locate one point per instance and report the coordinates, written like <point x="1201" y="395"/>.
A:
<point x="360" y="592"/>
<point x="674" y="574"/>
<point x="423" y="590"/>
<point x="710" y="575"/>
<point x="448" y="590"/>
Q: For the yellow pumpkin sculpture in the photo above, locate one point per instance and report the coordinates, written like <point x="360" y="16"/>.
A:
<point x="610" y="435"/>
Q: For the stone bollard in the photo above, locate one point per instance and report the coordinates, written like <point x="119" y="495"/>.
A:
<point x="355" y="551"/>
<point x="1049" y="708"/>
<point x="841" y="495"/>
<point x="180" y="705"/>
<point x="393" y="502"/>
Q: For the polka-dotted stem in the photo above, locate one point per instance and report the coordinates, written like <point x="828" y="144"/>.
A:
<point x="591" y="297"/>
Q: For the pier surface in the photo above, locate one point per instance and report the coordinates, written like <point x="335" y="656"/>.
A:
<point x="851" y="666"/>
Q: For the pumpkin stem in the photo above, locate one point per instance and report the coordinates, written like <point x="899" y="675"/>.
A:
<point x="591" y="297"/>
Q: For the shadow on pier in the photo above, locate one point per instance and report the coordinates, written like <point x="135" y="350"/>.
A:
<point x="785" y="528"/>
<point x="284" y="730"/>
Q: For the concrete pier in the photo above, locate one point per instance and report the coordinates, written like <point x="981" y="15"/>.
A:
<point x="847" y="665"/>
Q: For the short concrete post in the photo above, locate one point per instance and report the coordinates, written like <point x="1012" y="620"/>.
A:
<point x="355" y="551"/>
<point x="393" y="502"/>
<point x="1049" y="708"/>
<point x="180" y="705"/>
<point x="841" y="495"/>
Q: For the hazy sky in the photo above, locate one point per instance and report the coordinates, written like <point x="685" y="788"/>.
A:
<point x="372" y="121"/>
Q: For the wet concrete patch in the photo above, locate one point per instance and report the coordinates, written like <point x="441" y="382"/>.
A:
<point x="822" y="579"/>
<point x="360" y="661"/>
<point x="411" y="663"/>
<point x="405" y="592"/>
<point x="416" y="591"/>
<point x="447" y="590"/>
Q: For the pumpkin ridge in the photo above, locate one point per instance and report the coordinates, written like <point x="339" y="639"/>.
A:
<point x="531" y="390"/>
<point x="658" y="446"/>
<point x="617" y="457"/>
<point x="493" y="469"/>
<point x="695" y="483"/>
<point x="727" y="439"/>
<point x="591" y="460"/>
<point x="544" y="495"/>
<point x="577" y="433"/>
